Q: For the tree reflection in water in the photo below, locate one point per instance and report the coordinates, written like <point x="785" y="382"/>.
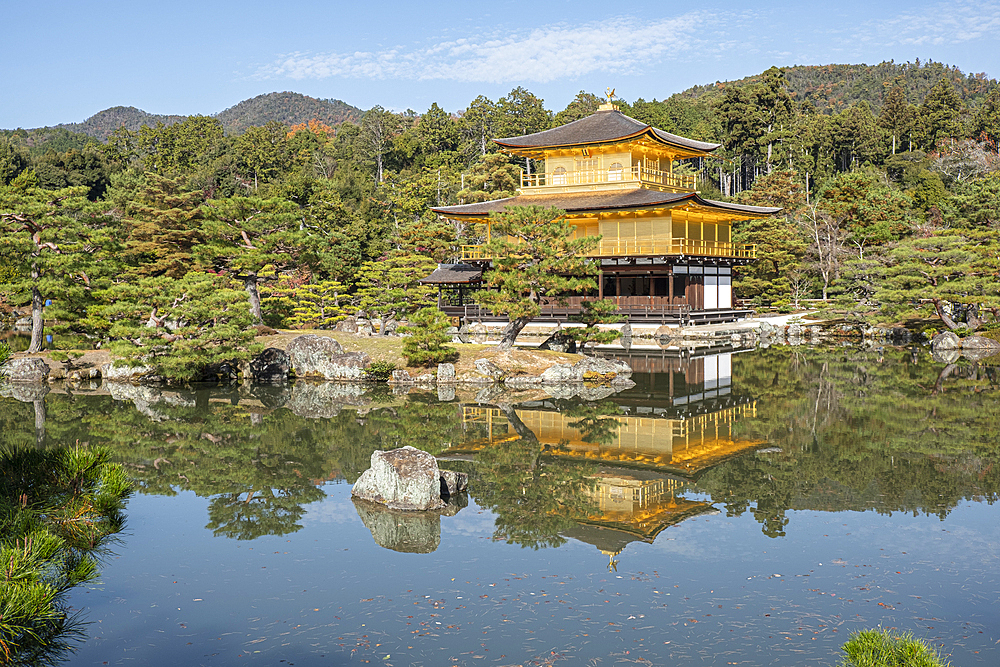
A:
<point x="534" y="496"/>
<point x="835" y="429"/>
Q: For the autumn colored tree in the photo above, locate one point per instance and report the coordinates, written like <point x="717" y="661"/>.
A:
<point x="163" y="229"/>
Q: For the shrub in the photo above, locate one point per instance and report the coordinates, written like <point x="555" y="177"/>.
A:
<point x="880" y="648"/>
<point x="379" y="371"/>
<point x="427" y="343"/>
<point x="4" y="353"/>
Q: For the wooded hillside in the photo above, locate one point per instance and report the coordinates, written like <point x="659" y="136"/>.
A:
<point x="833" y="88"/>
<point x="288" y="109"/>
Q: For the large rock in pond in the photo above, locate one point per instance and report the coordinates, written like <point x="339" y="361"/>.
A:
<point x="313" y="356"/>
<point x="404" y="479"/>
<point x="946" y="340"/>
<point x="560" y="341"/>
<point x="598" y="370"/>
<point x="25" y="369"/>
<point x="270" y="367"/>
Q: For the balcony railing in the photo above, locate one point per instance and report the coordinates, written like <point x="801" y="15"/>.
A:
<point x="633" y="174"/>
<point x="643" y="248"/>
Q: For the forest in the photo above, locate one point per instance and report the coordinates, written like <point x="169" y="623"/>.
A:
<point x="888" y="176"/>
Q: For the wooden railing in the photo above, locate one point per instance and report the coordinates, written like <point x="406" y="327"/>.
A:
<point x="634" y="307"/>
<point x="647" y="248"/>
<point x="635" y="173"/>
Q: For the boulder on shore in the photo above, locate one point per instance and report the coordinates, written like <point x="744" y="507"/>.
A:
<point x="25" y="369"/>
<point x="321" y="357"/>
<point x="271" y="366"/>
<point x="407" y="479"/>
<point x="560" y="341"/>
<point x="946" y="340"/>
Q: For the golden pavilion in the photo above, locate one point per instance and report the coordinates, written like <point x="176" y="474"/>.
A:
<point x="666" y="253"/>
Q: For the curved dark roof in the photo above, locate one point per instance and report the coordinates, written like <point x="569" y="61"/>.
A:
<point x="454" y="274"/>
<point x="598" y="201"/>
<point x="601" y="127"/>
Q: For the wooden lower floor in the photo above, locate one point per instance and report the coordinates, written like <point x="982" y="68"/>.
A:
<point x="648" y="310"/>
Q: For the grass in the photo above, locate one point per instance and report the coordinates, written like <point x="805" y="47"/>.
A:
<point x="389" y="350"/>
<point x="881" y="648"/>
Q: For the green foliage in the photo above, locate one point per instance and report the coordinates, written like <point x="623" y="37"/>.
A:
<point x="535" y="257"/>
<point x="60" y="247"/>
<point x="379" y="371"/>
<point x="180" y="327"/>
<point x="164" y="228"/>
<point x="781" y="246"/>
<point x="59" y="509"/>
<point x="317" y="305"/>
<point x="389" y="288"/>
<point x="595" y="312"/>
<point x="428" y="338"/>
<point x="923" y="273"/>
<point x="871" y="210"/>
<point x="4" y="353"/>
<point x="882" y="648"/>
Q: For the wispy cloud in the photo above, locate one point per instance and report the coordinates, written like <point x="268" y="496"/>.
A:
<point x="622" y="45"/>
<point x="942" y="23"/>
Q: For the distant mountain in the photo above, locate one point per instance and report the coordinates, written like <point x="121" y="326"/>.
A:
<point x="833" y="88"/>
<point x="103" y="123"/>
<point x="286" y="108"/>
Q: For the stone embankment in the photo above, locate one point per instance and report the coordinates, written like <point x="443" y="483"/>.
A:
<point x="323" y="359"/>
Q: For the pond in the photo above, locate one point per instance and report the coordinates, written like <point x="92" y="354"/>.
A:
<point x="733" y="508"/>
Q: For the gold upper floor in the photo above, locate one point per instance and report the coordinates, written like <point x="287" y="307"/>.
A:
<point x="620" y="167"/>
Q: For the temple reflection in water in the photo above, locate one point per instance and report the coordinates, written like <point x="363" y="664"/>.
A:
<point x="650" y="443"/>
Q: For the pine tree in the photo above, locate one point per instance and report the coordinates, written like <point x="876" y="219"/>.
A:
<point x="246" y="236"/>
<point x="180" y="327"/>
<point x="58" y="509"/>
<point x="389" y="288"/>
<point x="427" y="338"/>
<point x="535" y="257"/>
<point x="57" y="247"/>
<point x="595" y="312"/>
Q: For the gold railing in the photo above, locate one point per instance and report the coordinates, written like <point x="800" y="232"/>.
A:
<point x="643" y="248"/>
<point x="631" y="174"/>
<point x="473" y="252"/>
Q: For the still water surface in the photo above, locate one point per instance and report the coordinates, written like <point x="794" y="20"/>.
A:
<point x="746" y="508"/>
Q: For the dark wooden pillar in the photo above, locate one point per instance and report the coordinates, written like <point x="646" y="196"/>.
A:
<point x="670" y="284"/>
<point x="600" y="284"/>
<point x="652" y="285"/>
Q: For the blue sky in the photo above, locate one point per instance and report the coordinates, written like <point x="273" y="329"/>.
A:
<point x="65" y="61"/>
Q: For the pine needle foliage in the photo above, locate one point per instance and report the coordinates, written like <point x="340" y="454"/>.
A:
<point x="535" y="258"/>
<point x="595" y="313"/>
<point x="180" y="327"/>
<point x="59" y="509"/>
<point x="427" y="343"/>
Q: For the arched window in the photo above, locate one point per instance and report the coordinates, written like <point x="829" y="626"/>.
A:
<point x="559" y="176"/>
<point x="616" y="172"/>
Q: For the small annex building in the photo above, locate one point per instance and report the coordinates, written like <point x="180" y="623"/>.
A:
<point x="666" y="253"/>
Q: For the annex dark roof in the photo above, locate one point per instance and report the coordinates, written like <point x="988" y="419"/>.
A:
<point x="637" y="198"/>
<point x="453" y="274"/>
<point x="601" y="127"/>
